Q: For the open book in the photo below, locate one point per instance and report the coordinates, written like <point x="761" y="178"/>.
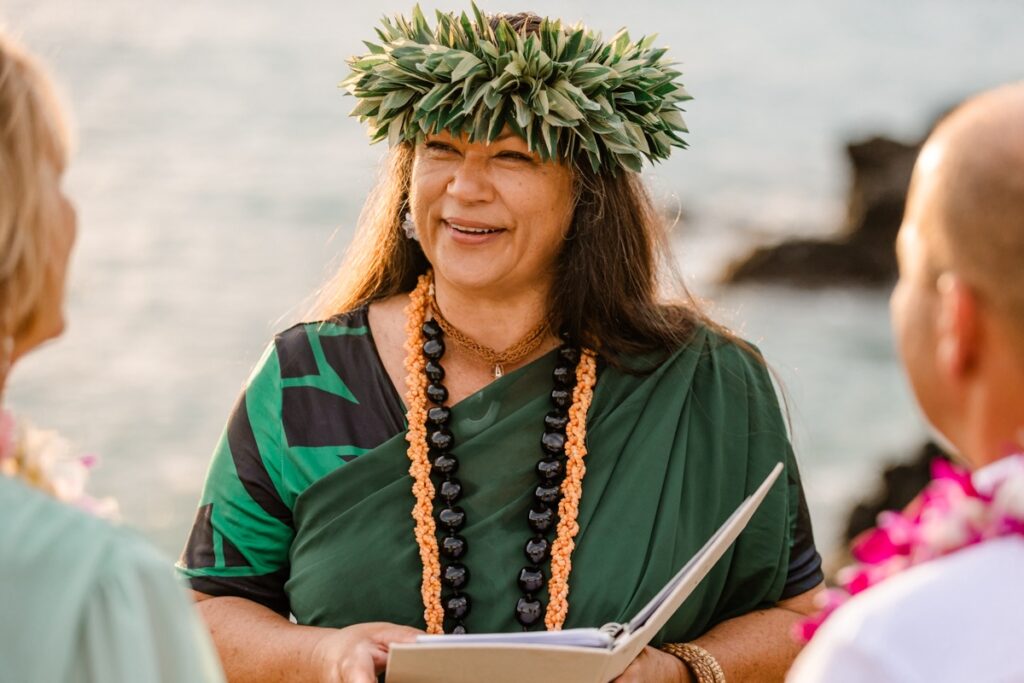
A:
<point x="583" y="655"/>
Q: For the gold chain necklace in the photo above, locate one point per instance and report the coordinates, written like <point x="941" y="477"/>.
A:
<point x="498" y="359"/>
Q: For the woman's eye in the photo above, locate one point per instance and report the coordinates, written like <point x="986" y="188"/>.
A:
<point x="515" y="156"/>
<point x="439" y="148"/>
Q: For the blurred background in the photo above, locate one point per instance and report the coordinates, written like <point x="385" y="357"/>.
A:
<point x="218" y="179"/>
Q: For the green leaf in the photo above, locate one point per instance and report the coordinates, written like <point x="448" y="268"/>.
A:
<point x="480" y="122"/>
<point x="453" y="121"/>
<point x="497" y="124"/>
<point x="563" y="106"/>
<point x="523" y="115"/>
<point x="673" y="118"/>
<point x="366" y="107"/>
<point x="590" y="75"/>
<point x="636" y="137"/>
<point x="396" y="100"/>
<point x="475" y="98"/>
<point x="489" y="49"/>
<point x="435" y="97"/>
<point x="541" y="105"/>
<point x="396" y="129"/>
<point x="494" y="98"/>
<point x="619" y="41"/>
<point x="421" y="31"/>
<point x="466" y="65"/>
<point x="481" y="21"/>
<point x="572" y="45"/>
<point x="514" y="68"/>
<point x="630" y="161"/>
<point x="549" y="134"/>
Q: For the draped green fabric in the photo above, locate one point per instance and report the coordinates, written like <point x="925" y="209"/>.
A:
<point x="671" y="454"/>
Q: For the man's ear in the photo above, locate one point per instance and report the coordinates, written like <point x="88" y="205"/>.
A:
<point x="958" y="328"/>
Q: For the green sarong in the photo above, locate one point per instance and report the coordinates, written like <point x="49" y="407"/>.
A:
<point x="671" y="454"/>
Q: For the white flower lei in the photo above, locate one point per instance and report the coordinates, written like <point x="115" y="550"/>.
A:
<point x="45" y="460"/>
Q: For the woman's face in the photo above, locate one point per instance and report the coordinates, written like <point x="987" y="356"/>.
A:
<point x="48" y="320"/>
<point x="490" y="217"/>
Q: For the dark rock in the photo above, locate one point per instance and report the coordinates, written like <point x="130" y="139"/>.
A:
<point x="863" y="253"/>
<point x="899" y="485"/>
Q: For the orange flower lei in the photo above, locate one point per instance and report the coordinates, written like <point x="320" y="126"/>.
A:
<point x="423" y="488"/>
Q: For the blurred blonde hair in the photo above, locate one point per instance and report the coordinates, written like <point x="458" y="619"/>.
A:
<point x="34" y="144"/>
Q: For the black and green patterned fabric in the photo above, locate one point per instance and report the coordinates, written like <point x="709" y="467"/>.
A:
<point x="307" y="378"/>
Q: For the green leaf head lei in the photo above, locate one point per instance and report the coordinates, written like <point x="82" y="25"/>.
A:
<point x="564" y="90"/>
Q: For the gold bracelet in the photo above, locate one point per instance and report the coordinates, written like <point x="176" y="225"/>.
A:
<point x="698" y="660"/>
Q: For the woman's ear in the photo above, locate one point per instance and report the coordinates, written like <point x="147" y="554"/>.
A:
<point x="958" y="328"/>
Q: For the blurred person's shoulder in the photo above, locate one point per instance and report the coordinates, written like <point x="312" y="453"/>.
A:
<point x="69" y="575"/>
<point x="40" y="532"/>
<point x="953" y="618"/>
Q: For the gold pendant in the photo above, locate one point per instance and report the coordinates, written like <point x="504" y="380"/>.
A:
<point x="498" y="371"/>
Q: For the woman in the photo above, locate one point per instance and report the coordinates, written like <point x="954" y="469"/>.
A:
<point x="82" y="601"/>
<point x="510" y="218"/>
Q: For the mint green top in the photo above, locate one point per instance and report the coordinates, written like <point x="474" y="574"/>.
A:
<point x="85" y="602"/>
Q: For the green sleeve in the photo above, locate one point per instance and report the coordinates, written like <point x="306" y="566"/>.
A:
<point x="243" y="530"/>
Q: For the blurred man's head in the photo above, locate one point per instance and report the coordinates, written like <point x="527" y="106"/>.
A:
<point x="958" y="309"/>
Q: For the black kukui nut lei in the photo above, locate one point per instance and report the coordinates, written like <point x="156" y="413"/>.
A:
<point x="543" y="514"/>
<point x="450" y="517"/>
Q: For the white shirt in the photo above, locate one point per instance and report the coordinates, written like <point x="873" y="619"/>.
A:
<point x="958" y="618"/>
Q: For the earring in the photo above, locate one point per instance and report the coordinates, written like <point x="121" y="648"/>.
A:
<point x="409" y="227"/>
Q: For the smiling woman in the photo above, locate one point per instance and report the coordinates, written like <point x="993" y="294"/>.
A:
<point x="565" y="439"/>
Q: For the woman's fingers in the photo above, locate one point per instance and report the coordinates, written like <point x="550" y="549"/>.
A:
<point x="360" y="676"/>
<point x="394" y="633"/>
<point x="358" y="653"/>
<point x="384" y="636"/>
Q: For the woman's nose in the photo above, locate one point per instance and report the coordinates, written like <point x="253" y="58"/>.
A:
<point x="471" y="183"/>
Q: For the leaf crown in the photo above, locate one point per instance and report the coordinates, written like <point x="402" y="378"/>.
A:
<point x="562" y="89"/>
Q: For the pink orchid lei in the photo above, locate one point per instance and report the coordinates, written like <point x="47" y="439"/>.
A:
<point x="953" y="512"/>
<point x="44" y="460"/>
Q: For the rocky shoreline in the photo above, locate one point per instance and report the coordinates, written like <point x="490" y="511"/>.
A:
<point x="862" y="253"/>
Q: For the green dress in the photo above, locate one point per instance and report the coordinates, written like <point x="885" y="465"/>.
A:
<point x="311" y="516"/>
<point x="84" y="602"/>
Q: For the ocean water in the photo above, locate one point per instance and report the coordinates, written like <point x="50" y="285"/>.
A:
<point x="218" y="180"/>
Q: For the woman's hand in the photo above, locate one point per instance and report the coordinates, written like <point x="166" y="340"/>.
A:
<point x="356" y="654"/>
<point x="654" y="665"/>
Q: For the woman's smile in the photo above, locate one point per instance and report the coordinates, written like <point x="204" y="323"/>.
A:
<point x="468" y="232"/>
